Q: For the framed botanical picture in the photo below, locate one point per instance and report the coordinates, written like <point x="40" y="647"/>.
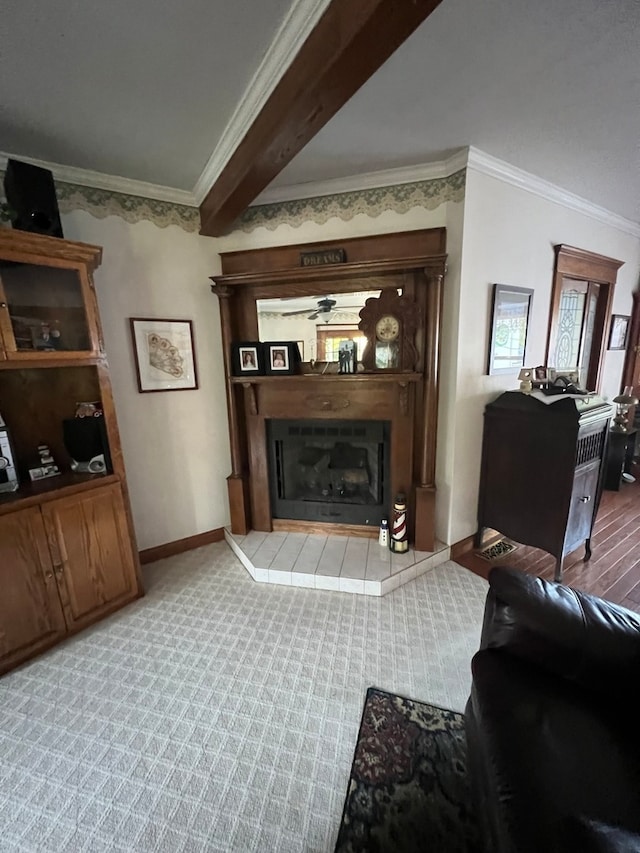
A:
<point x="281" y="357"/>
<point x="164" y="354"/>
<point x="509" y="325"/>
<point x="618" y="331"/>
<point x="247" y="358"/>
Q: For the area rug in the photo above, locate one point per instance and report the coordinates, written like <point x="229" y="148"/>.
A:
<point x="408" y="789"/>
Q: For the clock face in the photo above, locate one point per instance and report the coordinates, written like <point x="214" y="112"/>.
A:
<point x="387" y="328"/>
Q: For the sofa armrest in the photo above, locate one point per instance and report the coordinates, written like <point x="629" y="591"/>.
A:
<point x="574" y="635"/>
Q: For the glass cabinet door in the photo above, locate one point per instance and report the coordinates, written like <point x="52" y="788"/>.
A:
<point x="43" y="311"/>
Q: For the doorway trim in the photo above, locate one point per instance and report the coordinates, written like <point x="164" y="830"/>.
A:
<point x="583" y="265"/>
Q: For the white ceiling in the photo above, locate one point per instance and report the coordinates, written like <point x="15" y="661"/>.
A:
<point x="145" y="90"/>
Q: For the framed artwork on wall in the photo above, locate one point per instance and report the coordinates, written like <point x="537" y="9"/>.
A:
<point x="618" y="331"/>
<point x="164" y="354"/>
<point x="510" y="311"/>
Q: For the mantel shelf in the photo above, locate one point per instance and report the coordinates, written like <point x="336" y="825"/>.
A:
<point x="327" y="377"/>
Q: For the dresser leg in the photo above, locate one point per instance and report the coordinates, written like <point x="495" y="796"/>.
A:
<point x="558" y="575"/>
<point x="587" y="550"/>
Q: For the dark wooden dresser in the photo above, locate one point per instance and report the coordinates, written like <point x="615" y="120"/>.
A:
<point x="541" y="475"/>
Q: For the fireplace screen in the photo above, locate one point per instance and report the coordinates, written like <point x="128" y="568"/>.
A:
<point x="336" y="471"/>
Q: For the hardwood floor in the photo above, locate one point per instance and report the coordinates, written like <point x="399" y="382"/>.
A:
<point x="613" y="572"/>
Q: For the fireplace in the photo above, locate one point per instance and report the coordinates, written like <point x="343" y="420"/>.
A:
<point x="331" y="471"/>
<point x="320" y="480"/>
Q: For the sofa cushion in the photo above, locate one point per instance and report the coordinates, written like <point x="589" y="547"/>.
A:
<point x="593" y="836"/>
<point x="575" y="635"/>
<point x="548" y="750"/>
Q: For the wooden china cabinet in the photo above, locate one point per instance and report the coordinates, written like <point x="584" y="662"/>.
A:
<point x="67" y="547"/>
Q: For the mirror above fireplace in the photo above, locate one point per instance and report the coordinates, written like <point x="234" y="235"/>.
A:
<point x="318" y="323"/>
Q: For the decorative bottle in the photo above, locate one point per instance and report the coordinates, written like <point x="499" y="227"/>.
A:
<point x="399" y="540"/>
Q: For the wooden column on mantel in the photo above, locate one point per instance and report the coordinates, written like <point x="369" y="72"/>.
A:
<point x="412" y="260"/>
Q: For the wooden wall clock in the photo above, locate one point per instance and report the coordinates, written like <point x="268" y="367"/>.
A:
<point x="390" y="322"/>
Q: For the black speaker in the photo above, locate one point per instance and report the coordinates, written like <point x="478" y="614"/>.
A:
<point x="31" y="195"/>
<point x="86" y="442"/>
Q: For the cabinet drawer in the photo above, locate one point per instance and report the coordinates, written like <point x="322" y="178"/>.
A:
<point x="583" y="505"/>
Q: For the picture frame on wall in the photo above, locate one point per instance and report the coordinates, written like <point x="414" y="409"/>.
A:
<point x="164" y="354"/>
<point x="247" y="358"/>
<point x="510" y="311"/>
<point x="619" y="331"/>
<point x="281" y="358"/>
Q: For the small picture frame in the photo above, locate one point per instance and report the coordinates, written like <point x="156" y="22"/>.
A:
<point x="281" y="358"/>
<point x="619" y="331"/>
<point x="247" y="358"/>
<point x="540" y="375"/>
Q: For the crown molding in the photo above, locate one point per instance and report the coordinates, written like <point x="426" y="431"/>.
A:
<point x="488" y="165"/>
<point x="292" y="34"/>
<point x="110" y="183"/>
<point x="365" y="181"/>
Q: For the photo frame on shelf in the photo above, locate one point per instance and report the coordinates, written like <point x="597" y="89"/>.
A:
<point x="281" y="358"/>
<point x="247" y="358"/>
<point x="619" y="331"/>
<point x="164" y="354"/>
<point x="540" y="375"/>
<point x="510" y="311"/>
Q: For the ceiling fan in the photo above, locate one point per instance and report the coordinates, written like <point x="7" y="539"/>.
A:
<point x="325" y="306"/>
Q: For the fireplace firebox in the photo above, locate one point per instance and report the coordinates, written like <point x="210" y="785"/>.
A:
<point x="330" y="471"/>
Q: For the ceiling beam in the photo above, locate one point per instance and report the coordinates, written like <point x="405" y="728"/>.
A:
<point x="352" y="39"/>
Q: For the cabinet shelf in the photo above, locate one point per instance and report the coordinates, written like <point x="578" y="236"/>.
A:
<point x="40" y="491"/>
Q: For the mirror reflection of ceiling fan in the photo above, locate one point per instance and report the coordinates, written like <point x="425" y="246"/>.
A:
<point x="325" y="308"/>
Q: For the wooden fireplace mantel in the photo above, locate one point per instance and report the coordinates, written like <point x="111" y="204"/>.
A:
<point x="414" y="261"/>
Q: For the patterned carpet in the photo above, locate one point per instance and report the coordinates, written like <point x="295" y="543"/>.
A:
<point x="408" y="791"/>
<point x="218" y="714"/>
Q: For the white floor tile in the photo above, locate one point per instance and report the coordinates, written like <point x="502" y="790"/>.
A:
<point x="327" y="582"/>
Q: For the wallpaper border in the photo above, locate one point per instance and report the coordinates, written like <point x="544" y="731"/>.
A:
<point x="399" y="198"/>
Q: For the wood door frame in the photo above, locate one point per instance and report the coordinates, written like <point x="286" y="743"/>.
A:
<point x="581" y="264"/>
<point x="633" y="344"/>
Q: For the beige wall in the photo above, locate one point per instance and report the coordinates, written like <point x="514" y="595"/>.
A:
<point x="176" y="443"/>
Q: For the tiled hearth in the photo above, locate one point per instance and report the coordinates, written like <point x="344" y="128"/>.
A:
<point x="340" y="563"/>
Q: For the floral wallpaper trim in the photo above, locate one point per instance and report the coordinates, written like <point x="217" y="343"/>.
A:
<point x="131" y="208"/>
<point x="400" y="198"/>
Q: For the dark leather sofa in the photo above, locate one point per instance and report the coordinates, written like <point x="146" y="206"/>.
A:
<point x="553" y="722"/>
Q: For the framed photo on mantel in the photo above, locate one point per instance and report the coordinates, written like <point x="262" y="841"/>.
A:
<point x="281" y="358"/>
<point x="247" y="358"/>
